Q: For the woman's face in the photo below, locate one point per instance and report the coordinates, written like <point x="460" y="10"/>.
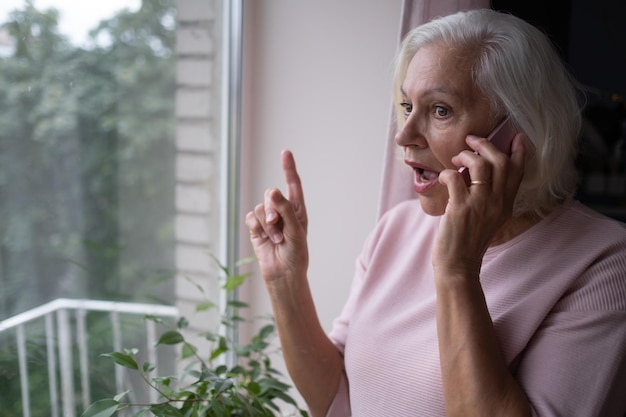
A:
<point x="441" y="107"/>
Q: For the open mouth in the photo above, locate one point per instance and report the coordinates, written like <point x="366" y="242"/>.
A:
<point x="426" y="175"/>
<point x="423" y="177"/>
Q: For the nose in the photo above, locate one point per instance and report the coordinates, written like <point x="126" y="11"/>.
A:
<point x="410" y="133"/>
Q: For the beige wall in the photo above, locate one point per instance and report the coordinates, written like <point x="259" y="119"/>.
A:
<point x="317" y="81"/>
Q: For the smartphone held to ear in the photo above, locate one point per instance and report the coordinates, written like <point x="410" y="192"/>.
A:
<point x="501" y="136"/>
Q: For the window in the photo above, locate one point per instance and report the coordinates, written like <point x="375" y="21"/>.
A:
<point x="88" y="157"/>
<point x="110" y="156"/>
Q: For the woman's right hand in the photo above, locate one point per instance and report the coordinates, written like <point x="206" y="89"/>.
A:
<point x="278" y="228"/>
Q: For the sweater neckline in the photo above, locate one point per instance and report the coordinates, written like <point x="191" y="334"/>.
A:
<point x="493" y="251"/>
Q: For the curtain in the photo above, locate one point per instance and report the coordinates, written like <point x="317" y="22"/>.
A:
<point x="397" y="178"/>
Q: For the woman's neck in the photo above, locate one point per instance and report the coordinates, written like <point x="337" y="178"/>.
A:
<point x="514" y="227"/>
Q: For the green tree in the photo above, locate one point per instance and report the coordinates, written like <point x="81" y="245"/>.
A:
<point x="87" y="173"/>
<point x="127" y="118"/>
<point x="86" y="167"/>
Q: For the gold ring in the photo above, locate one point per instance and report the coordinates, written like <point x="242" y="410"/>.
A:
<point x="483" y="182"/>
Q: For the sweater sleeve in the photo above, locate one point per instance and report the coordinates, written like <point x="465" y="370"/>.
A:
<point x="576" y="366"/>
<point x="575" y="363"/>
<point x="341" y="324"/>
<point x="340" y="407"/>
<point x="373" y="248"/>
<point x="339" y="331"/>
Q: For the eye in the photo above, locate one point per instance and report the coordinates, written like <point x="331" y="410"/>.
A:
<point x="441" y="111"/>
<point x="408" y="108"/>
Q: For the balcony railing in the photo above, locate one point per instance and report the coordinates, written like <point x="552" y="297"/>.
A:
<point x="67" y="335"/>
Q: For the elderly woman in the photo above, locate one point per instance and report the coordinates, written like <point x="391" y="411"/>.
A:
<point x="494" y="293"/>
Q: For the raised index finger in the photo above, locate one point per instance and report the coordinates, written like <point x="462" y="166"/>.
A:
<point x="294" y="186"/>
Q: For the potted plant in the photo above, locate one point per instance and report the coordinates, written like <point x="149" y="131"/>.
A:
<point x="249" y="387"/>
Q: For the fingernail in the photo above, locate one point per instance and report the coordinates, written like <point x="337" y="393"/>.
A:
<point x="270" y="215"/>
<point x="277" y="237"/>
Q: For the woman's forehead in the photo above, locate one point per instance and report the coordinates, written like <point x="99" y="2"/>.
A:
<point x="439" y="69"/>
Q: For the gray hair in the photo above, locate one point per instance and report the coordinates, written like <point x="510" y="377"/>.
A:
<point x="518" y="69"/>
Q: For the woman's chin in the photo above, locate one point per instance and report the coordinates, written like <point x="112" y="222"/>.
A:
<point x="433" y="207"/>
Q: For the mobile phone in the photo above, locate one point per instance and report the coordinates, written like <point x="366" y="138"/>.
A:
<point x="501" y="136"/>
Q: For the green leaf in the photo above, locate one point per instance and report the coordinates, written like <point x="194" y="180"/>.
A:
<point x="183" y="323"/>
<point x="167" y="391"/>
<point x="266" y="331"/>
<point x="195" y="284"/>
<point x="246" y="261"/>
<point x="189" y="350"/>
<point x="235" y="281"/>
<point x="236" y="370"/>
<point x="221" y="369"/>
<point x="258" y="345"/>
<point x="194" y="374"/>
<point x="222" y="348"/>
<point x="122" y="359"/>
<point x="121" y="395"/>
<point x="242" y="350"/>
<point x="271" y="370"/>
<point x="170" y="338"/>
<point x="154" y="318"/>
<point x="141" y="412"/>
<point x="223" y="386"/>
<point x="211" y="337"/>
<point x="165" y="410"/>
<point x="269" y="403"/>
<point x="204" y="306"/>
<point x="286" y="398"/>
<point x="217" y="409"/>
<point x="237" y="304"/>
<point x="251" y="406"/>
<point x="186" y="395"/>
<point x="101" y="408"/>
<point x="255" y="369"/>
<point x="219" y="264"/>
<point x="272" y="384"/>
<point x="254" y="388"/>
<point x="164" y="380"/>
<point x="148" y="367"/>
<point x="237" y="318"/>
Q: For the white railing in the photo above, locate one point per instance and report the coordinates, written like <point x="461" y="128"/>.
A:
<point x="59" y="339"/>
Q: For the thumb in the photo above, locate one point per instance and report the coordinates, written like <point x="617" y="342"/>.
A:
<point x="291" y="227"/>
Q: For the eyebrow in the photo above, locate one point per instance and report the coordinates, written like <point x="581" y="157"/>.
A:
<point x="441" y="90"/>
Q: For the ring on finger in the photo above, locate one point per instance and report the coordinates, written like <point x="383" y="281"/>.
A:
<point x="480" y="182"/>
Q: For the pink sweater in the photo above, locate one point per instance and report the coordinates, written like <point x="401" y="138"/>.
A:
<point x="556" y="294"/>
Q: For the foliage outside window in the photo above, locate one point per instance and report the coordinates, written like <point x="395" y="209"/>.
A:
<point x="87" y="160"/>
<point x="87" y="172"/>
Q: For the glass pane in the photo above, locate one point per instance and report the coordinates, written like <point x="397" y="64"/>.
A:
<point x="109" y="171"/>
<point x="87" y="151"/>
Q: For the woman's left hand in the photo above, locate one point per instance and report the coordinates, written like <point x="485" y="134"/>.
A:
<point x="475" y="214"/>
<point x="475" y="377"/>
